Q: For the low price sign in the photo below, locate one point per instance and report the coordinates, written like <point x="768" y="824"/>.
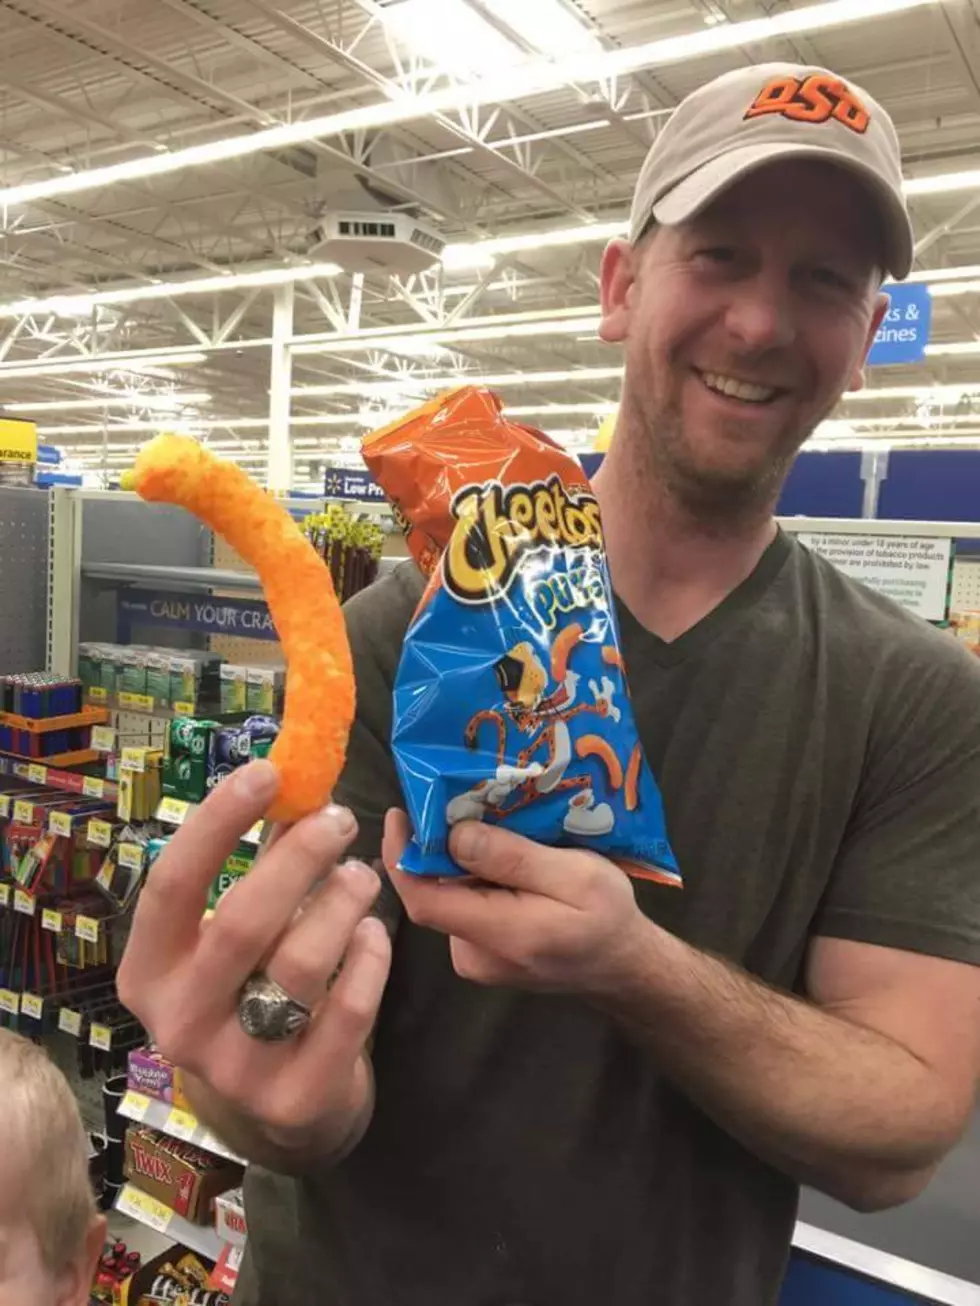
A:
<point x="904" y="333"/>
<point x="18" y="441"/>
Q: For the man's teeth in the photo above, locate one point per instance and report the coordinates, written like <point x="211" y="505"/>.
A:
<point x="729" y="385"/>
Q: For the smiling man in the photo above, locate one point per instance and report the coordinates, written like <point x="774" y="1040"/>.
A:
<point x="584" y="1090"/>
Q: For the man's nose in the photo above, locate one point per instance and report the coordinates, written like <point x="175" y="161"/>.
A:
<point x="760" y="314"/>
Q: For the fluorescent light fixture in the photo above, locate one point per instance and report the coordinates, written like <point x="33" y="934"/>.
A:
<point x="504" y="326"/>
<point x="537" y="78"/>
<point x="933" y="275"/>
<point x="953" y="348"/>
<point x="76" y="305"/>
<point x="484" y="253"/>
<point x="426" y="384"/>
<point x="555" y="410"/>
<point x="548" y="25"/>
<point x="936" y="393"/>
<point x="134" y="361"/>
<point x="131" y="399"/>
<point x="450" y="35"/>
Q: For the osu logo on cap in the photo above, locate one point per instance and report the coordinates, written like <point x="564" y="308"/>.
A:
<point x="816" y="98"/>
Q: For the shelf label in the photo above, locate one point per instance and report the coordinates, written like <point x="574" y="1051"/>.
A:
<point x="70" y="1022"/>
<point x="181" y="1124"/>
<point x="87" y="928"/>
<point x="93" y="787"/>
<point x="23" y="812"/>
<point x="103" y="739"/>
<point x="9" y="1002"/>
<point x="38" y="775"/>
<point x="130" y="855"/>
<point x="51" y="920"/>
<point x="98" y="694"/>
<point x="183" y="709"/>
<point x="100" y="833"/>
<point x="5" y="806"/>
<point x="60" y="823"/>
<point x="104" y="877"/>
<point x="144" y="1208"/>
<point x="173" y="810"/>
<point x="133" y="759"/>
<point x="4" y="895"/>
<point x="101" y="1037"/>
<point x="24" y="903"/>
<point x="136" y="702"/>
<point x="31" y="1005"/>
<point x="255" y="834"/>
<point x="134" y="1106"/>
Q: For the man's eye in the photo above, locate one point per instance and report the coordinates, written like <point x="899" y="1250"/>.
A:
<point x="831" y="277"/>
<point x="717" y="254"/>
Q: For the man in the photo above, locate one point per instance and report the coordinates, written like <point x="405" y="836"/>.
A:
<point x="601" y="1091"/>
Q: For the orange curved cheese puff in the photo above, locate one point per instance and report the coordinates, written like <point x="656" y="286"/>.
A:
<point x="596" y="746"/>
<point x="613" y="658"/>
<point x="632" y="794"/>
<point x="319" y="703"/>
<point x="561" y="650"/>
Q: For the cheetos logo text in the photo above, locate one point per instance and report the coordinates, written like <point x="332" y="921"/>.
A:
<point x="816" y="99"/>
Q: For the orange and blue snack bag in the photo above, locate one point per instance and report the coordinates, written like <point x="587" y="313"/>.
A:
<point x="511" y="704"/>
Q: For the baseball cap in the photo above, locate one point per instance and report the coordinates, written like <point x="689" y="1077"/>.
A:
<point x="756" y="115"/>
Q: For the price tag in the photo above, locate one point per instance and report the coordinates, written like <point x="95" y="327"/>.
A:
<point x="173" y="810"/>
<point x="24" y="903"/>
<point x="130" y="855"/>
<point x="181" y="1124"/>
<point x="136" y="702"/>
<point x="87" y="928"/>
<point x="70" y="1022"/>
<point x="5" y="806"/>
<point x="183" y="709"/>
<point x="51" y="920"/>
<point x="144" y="1208"/>
<point x="23" y="812"/>
<point x="100" y="833"/>
<point x="31" y="1005"/>
<point x="98" y="694"/>
<point x="9" y="1001"/>
<point x="4" y="895"/>
<point x="100" y="1036"/>
<point x="60" y="823"/>
<point x="104" y="877"/>
<point x="134" y="1106"/>
<point x="93" y="787"/>
<point x="133" y="759"/>
<point x="103" y="739"/>
<point x="38" y="775"/>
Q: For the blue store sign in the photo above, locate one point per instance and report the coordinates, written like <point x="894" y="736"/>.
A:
<point x="342" y="483"/>
<point x="904" y="334"/>
<point x="248" y="618"/>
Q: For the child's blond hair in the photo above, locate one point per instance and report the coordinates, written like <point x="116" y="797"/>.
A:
<point x="40" y="1111"/>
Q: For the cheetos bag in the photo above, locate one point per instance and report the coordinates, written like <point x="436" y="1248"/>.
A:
<point x="511" y="704"/>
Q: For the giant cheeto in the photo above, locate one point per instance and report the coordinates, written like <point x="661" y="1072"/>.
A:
<point x="319" y="704"/>
<point x="511" y="704"/>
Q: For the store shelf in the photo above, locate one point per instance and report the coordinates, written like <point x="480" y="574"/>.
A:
<point x="171" y="1120"/>
<point x="45" y="773"/>
<point x="88" y="716"/>
<point x="145" y="1209"/>
<point x="175" y="811"/>
<point x="179" y="578"/>
<point x="83" y="757"/>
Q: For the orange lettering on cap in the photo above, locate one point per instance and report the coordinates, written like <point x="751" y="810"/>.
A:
<point x="816" y="99"/>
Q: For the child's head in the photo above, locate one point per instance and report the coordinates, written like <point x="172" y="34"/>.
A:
<point x="50" y="1231"/>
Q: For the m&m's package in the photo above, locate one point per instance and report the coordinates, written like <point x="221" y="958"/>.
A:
<point x="511" y="704"/>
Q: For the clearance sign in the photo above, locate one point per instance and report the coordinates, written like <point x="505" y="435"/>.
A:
<point x="18" y="441"/>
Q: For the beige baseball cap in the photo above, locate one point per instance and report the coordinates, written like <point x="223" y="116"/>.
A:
<point x="753" y="116"/>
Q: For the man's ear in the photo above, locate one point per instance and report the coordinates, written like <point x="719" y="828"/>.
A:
<point x="76" y="1283"/>
<point x="877" y="317"/>
<point x="617" y="277"/>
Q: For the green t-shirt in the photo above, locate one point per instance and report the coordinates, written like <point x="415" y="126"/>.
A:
<point x="819" y="755"/>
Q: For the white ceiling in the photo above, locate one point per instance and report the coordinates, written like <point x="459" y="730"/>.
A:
<point x="92" y="83"/>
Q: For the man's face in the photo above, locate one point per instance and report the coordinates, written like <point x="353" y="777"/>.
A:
<point x="743" y="327"/>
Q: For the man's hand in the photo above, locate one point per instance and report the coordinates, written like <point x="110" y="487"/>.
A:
<point x="297" y="916"/>
<point x="553" y="919"/>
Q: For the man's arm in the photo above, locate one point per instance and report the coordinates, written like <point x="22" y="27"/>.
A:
<point x="859" y="1090"/>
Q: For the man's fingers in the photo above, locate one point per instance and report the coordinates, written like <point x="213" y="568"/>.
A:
<point x="481" y="915"/>
<point x="347" y="1016"/>
<point x="502" y="857"/>
<point x="174" y="898"/>
<point x="311" y="949"/>
<point x="248" y="922"/>
<point x="397" y="833"/>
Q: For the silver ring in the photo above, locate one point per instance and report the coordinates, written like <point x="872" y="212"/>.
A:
<point x="268" y="1013"/>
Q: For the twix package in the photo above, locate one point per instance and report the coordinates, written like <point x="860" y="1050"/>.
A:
<point x="511" y="703"/>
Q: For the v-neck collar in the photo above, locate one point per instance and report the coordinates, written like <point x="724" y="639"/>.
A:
<point x="744" y="596"/>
